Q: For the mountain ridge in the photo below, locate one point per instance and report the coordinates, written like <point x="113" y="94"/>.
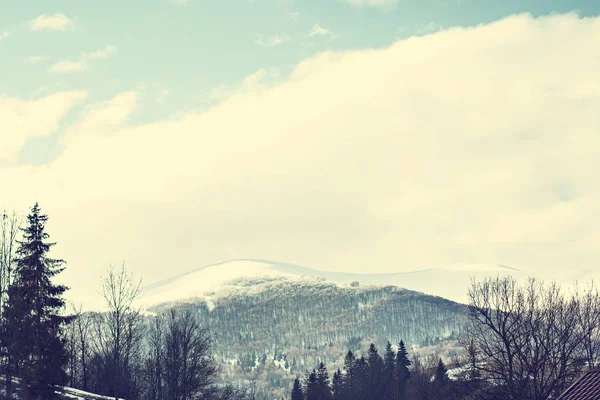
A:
<point x="213" y="277"/>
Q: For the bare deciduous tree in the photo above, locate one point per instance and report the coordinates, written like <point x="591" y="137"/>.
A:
<point x="9" y="228"/>
<point x="589" y="323"/>
<point x="530" y="341"/>
<point x="190" y="370"/>
<point x="155" y="358"/>
<point x="179" y="363"/>
<point x="80" y="336"/>
<point x="119" y="331"/>
<point x="423" y="369"/>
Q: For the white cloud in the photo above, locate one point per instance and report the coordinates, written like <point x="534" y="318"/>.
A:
<point x="35" y="59"/>
<point x="272" y="41"/>
<point x="4" y="35"/>
<point x="318" y="30"/>
<point x="253" y="80"/>
<point x="372" y="3"/>
<point x="56" y="22"/>
<point x="65" y="66"/>
<point x="258" y="80"/>
<point x="100" y="120"/>
<point x="22" y="120"/>
<point x="279" y="39"/>
<point x="106" y="52"/>
<point x="394" y="159"/>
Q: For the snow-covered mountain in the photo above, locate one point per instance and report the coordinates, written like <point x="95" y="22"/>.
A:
<point x="271" y="320"/>
<point x="450" y="282"/>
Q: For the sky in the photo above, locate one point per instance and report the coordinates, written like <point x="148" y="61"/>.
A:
<point x="344" y="135"/>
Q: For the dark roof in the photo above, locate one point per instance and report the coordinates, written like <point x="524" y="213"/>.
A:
<point x="585" y="388"/>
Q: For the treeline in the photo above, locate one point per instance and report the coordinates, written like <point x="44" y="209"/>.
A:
<point x="389" y="377"/>
<point x="527" y="341"/>
<point x="119" y="352"/>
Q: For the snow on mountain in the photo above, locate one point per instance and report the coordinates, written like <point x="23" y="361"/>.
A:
<point x="206" y="282"/>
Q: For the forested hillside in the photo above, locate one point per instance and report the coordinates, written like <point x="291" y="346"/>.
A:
<point x="270" y="329"/>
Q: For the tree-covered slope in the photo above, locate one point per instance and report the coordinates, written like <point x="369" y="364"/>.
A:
<point x="270" y="328"/>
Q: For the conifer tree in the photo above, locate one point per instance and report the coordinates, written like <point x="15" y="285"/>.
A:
<point x="297" y="393"/>
<point x="441" y="374"/>
<point x="374" y="360"/>
<point x="312" y="390"/>
<point x="441" y="380"/>
<point x="361" y="379"/>
<point x="33" y="312"/>
<point x="375" y="377"/>
<point x="389" y="372"/>
<point x="390" y="359"/>
<point x="348" y="380"/>
<point x="402" y="371"/>
<point x="337" y="385"/>
<point x="323" y="384"/>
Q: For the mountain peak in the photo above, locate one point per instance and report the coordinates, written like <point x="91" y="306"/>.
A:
<point x="206" y="281"/>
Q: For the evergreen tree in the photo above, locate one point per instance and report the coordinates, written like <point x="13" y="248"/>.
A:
<point x="297" y="393"/>
<point x="402" y="371"/>
<point x="348" y="381"/>
<point x="32" y="315"/>
<point x="361" y="379"/>
<point x="337" y="386"/>
<point x="390" y="359"/>
<point x="389" y="372"/>
<point x="374" y="360"/>
<point x="323" y="384"/>
<point x="375" y="377"/>
<point x="312" y="390"/>
<point x="441" y="374"/>
<point x="441" y="380"/>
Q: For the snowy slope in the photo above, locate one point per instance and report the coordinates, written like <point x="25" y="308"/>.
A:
<point x="450" y="282"/>
<point x="76" y="394"/>
<point x="64" y="393"/>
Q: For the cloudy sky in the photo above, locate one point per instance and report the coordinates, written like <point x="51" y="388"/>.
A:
<point x="356" y="135"/>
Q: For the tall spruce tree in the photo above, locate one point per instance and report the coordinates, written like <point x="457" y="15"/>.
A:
<point x="389" y="372"/>
<point x="361" y="379"/>
<point x="348" y="379"/>
<point x="323" y="384"/>
<point x="441" y="374"/>
<point x="297" y="393"/>
<point x="402" y="371"/>
<point x="441" y="381"/>
<point x="33" y="313"/>
<point x="375" y="389"/>
<point x="337" y="386"/>
<point x="312" y="389"/>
